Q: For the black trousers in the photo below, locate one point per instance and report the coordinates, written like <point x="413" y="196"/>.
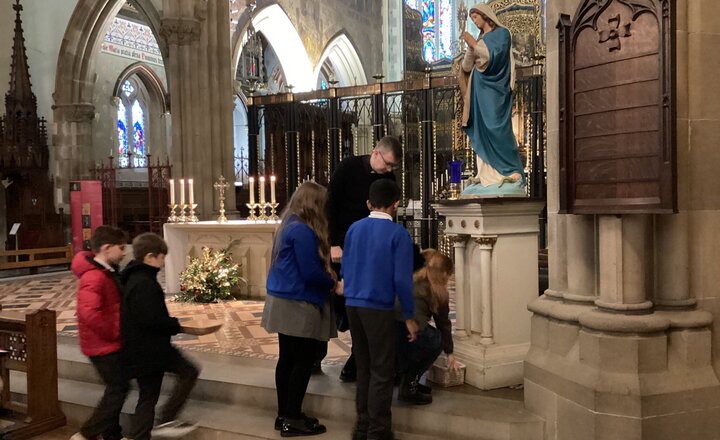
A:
<point x="373" y="334"/>
<point x="292" y="373"/>
<point x="149" y="393"/>
<point x="105" y="419"/>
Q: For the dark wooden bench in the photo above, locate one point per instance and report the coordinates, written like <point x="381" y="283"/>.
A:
<point x="29" y="344"/>
<point x="34" y="258"/>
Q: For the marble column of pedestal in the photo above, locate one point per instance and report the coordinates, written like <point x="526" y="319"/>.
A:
<point x="625" y="259"/>
<point x="461" y="293"/>
<point x="482" y="316"/>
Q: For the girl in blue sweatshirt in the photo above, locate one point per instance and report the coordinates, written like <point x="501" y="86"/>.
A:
<point x="297" y="308"/>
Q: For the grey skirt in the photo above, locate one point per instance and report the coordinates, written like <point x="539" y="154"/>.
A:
<point x="298" y="318"/>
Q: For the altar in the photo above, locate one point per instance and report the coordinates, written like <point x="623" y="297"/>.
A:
<point x="248" y="242"/>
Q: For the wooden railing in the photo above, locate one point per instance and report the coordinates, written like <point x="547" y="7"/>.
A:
<point x="33" y="258"/>
<point x="28" y="343"/>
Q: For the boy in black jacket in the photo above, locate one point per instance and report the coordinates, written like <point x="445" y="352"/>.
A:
<point x="147" y="352"/>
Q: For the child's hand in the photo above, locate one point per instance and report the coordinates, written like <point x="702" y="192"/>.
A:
<point x="452" y="362"/>
<point x="336" y="254"/>
<point x="339" y="286"/>
<point x="412" y="329"/>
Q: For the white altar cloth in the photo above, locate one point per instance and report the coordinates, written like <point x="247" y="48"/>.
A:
<point x="250" y="245"/>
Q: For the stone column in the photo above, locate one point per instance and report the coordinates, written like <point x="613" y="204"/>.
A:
<point x="462" y="308"/>
<point x="581" y="265"/>
<point x="200" y="80"/>
<point x="72" y="136"/>
<point x="625" y="263"/>
<point x="672" y="273"/>
<point x="482" y="322"/>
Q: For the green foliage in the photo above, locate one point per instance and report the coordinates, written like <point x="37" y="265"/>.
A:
<point x="209" y="278"/>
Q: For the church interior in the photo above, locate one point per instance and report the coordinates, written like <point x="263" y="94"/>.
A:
<point x="582" y="309"/>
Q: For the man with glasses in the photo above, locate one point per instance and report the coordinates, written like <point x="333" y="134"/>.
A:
<point x="347" y="203"/>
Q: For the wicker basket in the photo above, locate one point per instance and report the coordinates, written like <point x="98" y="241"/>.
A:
<point x="440" y="374"/>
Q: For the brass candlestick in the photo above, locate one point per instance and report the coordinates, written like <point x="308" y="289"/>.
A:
<point x="221" y="185"/>
<point x="252" y="207"/>
<point x="182" y="218"/>
<point x="172" y="218"/>
<point x="191" y="218"/>
<point x="273" y="211"/>
<point x="263" y="206"/>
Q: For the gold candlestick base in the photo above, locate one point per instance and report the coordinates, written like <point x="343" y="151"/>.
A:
<point x="273" y="211"/>
<point x="454" y="191"/>
<point x="172" y="218"/>
<point x="191" y="218"/>
<point x="252" y="207"/>
<point x="263" y="206"/>
<point x="182" y="218"/>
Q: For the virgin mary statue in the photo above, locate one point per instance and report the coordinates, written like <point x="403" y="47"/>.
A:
<point x="487" y="76"/>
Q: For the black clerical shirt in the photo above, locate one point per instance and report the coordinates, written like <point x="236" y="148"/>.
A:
<point x="348" y="194"/>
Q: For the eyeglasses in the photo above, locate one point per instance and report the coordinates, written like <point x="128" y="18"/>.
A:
<point x="391" y="165"/>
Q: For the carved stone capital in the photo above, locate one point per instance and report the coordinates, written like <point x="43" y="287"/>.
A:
<point x="457" y="240"/>
<point x="180" y="31"/>
<point x="75" y="112"/>
<point x="486" y="241"/>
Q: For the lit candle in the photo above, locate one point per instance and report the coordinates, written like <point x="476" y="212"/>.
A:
<point x="182" y="193"/>
<point x="262" y="190"/>
<point x="272" y="189"/>
<point x="190" y="191"/>
<point x="171" y="184"/>
<point x="252" y="190"/>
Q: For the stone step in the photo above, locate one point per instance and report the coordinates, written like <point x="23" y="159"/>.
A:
<point x="236" y="382"/>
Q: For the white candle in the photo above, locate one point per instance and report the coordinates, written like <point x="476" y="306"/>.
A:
<point x="171" y="184"/>
<point x="190" y="191"/>
<point x="252" y="190"/>
<point x="272" y="189"/>
<point x="262" y="190"/>
<point x="182" y="193"/>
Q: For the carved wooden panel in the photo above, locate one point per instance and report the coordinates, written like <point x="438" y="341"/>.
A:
<point x="617" y="108"/>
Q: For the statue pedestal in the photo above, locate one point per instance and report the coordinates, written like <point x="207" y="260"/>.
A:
<point x="496" y="276"/>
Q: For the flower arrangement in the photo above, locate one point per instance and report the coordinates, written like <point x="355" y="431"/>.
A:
<point x="209" y="278"/>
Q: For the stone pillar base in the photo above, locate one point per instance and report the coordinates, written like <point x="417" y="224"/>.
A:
<point x="491" y="366"/>
<point x="598" y="375"/>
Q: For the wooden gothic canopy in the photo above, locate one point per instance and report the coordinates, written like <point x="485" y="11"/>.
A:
<point x="617" y="108"/>
<point x="23" y="136"/>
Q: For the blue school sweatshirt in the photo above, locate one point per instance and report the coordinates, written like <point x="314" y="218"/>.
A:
<point x="297" y="272"/>
<point x="377" y="265"/>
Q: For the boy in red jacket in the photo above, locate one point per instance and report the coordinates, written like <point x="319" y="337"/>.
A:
<point x="98" y="315"/>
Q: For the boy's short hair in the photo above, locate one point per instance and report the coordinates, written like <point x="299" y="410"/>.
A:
<point x="148" y="243"/>
<point x="391" y="144"/>
<point x="106" y="234"/>
<point x="383" y="193"/>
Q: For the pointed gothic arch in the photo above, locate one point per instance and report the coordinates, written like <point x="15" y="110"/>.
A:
<point x="341" y="53"/>
<point x="79" y="48"/>
<point x="278" y="29"/>
<point x="149" y="78"/>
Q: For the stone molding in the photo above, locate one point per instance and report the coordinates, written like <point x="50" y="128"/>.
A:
<point x="75" y="112"/>
<point x="458" y="240"/>
<point x="180" y="31"/>
<point x="486" y="241"/>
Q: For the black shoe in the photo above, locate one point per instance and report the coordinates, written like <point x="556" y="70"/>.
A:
<point x="301" y="427"/>
<point x="316" y="368"/>
<point x="410" y="393"/>
<point x="279" y="420"/>
<point x="348" y="375"/>
<point x="424" y="388"/>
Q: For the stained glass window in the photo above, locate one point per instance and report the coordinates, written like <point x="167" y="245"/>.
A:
<point x="122" y="130"/>
<point x="437" y="28"/>
<point x="128" y="88"/>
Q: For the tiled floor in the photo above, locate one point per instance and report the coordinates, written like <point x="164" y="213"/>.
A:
<point x="240" y="336"/>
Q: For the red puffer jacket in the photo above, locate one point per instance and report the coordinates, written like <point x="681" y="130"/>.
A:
<point x="98" y="306"/>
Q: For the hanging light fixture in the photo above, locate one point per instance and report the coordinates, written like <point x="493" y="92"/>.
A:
<point x="252" y="63"/>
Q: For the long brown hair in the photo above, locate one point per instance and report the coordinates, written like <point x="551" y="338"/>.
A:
<point x="437" y="271"/>
<point x="307" y="204"/>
